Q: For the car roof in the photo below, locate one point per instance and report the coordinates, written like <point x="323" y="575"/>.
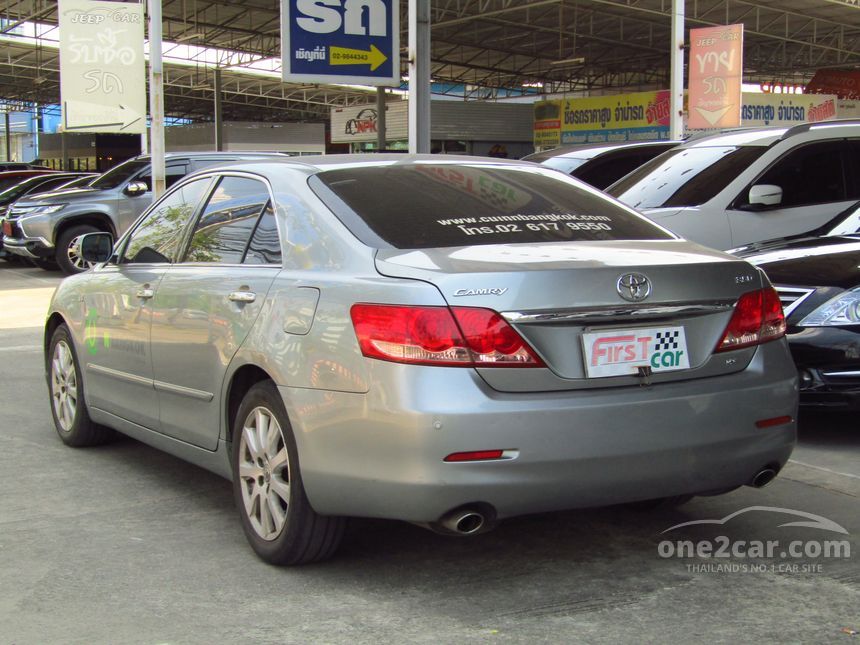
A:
<point x="225" y="154"/>
<point x="591" y="150"/>
<point x="319" y="163"/>
<point x="33" y="172"/>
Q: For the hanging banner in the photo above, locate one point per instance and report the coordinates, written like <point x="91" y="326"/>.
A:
<point x="641" y="116"/>
<point x="716" y="69"/>
<point x="102" y="72"/>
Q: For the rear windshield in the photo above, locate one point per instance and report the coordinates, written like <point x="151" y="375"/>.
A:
<point x="684" y="176"/>
<point x="418" y="206"/>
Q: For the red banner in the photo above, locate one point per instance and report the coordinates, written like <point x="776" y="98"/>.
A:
<point x="716" y="68"/>
<point x="844" y="83"/>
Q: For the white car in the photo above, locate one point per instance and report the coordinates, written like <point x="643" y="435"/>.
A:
<point x="745" y="186"/>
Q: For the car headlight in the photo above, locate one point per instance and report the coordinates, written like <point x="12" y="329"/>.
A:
<point x="47" y="210"/>
<point x="844" y="309"/>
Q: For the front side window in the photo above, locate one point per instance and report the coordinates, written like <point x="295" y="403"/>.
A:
<point x="227" y="223"/>
<point x="811" y="174"/>
<point x="684" y="176"/>
<point x="159" y="234"/>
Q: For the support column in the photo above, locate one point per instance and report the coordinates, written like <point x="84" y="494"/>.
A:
<point x="380" y="119"/>
<point x="156" y="99"/>
<point x="676" y="80"/>
<point x="419" y="76"/>
<point x="8" y="137"/>
<point x="219" y="115"/>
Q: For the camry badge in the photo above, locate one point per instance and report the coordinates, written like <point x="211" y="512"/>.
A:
<point x="633" y="287"/>
<point x="492" y="291"/>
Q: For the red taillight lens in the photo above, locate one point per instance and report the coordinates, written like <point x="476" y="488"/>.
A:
<point x="757" y="319"/>
<point x="432" y="336"/>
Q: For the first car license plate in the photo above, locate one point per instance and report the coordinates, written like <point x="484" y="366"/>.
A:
<point x="619" y="352"/>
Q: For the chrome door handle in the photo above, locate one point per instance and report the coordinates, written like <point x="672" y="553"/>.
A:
<point x="243" y="296"/>
<point x="145" y="294"/>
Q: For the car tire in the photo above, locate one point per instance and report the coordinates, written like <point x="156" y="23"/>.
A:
<point x="276" y="516"/>
<point x="66" y="257"/>
<point x="661" y="503"/>
<point x="66" y="388"/>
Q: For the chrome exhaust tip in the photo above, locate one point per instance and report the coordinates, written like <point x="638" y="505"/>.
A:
<point x="763" y="477"/>
<point x="464" y="522"/>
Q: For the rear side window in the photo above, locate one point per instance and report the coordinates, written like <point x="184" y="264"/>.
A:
<point x="265" y="246"/>
<point x="227" y="223"/>
<point x="425" y="205"/>
<point x="684" y="176"/>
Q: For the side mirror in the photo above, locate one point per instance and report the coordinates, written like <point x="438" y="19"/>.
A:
<point x="95" y="247"/>
<point x="135" y="188"/>
<point x="765" y="195"/>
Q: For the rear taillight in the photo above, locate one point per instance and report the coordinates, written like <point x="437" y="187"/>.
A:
<point x="757" y="319"/>
<point x="456" y="336"/>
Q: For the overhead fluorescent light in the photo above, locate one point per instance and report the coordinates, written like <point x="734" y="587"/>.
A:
<point x="568" y="61"/>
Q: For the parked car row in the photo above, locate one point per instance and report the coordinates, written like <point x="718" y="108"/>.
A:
<point x="454" y="341"/>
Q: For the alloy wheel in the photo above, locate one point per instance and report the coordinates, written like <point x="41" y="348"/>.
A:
<point x="264" y="473"/>
<point x="64" y="385"/>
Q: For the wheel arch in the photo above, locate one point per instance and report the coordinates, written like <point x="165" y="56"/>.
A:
<point x="100" y="220"/>
<point x="242" y="380"/>
<point x="54" y="321"/>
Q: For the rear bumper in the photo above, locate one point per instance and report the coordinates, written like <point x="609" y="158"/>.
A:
<point x="381" y="454"/>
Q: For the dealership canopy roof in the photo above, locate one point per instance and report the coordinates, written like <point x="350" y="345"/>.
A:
<point x="479" y="49"/>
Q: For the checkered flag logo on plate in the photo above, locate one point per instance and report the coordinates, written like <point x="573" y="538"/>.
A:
<point x="667" y="340"/>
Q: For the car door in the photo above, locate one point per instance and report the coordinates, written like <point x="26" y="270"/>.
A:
<point x="815" y="188"/>
<point x="119" y="313"/>
<point x="207" y="303"/>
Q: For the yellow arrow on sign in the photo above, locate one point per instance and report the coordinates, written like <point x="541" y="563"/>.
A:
<point x="344" y="56"/>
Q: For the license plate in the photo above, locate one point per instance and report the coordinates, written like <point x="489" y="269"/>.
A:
<point x="7" y="228"/>
<point x="620" y="352"/>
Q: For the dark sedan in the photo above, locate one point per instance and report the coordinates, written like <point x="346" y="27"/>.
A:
<point x="601" y="164"/>
<point x="818" y="280"/>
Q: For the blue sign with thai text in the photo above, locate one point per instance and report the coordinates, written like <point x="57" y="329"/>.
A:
<point x="341" y="41"/>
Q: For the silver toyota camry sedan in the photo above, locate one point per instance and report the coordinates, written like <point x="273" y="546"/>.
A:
<point x="447" y="341"/>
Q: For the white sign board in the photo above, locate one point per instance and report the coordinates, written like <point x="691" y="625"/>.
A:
<point x="102" y="71"/>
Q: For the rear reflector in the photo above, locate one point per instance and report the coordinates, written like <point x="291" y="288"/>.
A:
<point x="481" y="455"/>
<point x="757" y="319"/>
<point x="775" y="421"/>
<point x="456" y="337"/>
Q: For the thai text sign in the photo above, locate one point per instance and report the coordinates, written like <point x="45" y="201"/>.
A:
<point x="787" y="109"/>
<point x="642" y="116"/>
<point x="341" y="41"/>
<point x="102" y="72"/>
<point x="716" y="66"/>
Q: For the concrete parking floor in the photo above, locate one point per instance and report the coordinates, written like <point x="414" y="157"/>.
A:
<point x="124" y="544"/>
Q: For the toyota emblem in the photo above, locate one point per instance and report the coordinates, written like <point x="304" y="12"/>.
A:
<point x="633" y="287"/>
